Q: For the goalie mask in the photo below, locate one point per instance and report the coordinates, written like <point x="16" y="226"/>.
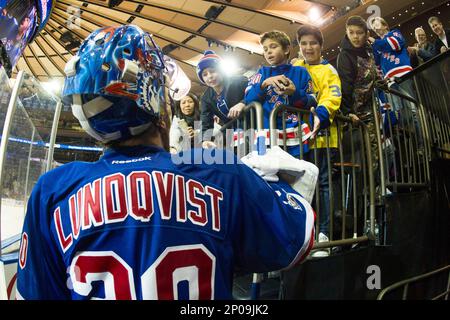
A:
<point x="116" y="83"/>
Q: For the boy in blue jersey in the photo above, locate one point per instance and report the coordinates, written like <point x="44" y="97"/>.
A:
<point x="281" y="84"/>
<point x="391" y="55"/>
<point x="390" y="50"/>
<point x="135" y="225"/>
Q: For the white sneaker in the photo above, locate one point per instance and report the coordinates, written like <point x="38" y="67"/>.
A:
<point x="321" y="252"/>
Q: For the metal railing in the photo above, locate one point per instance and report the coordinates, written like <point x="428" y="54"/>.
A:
<point x="406" y="284"/>
<point x="241" y="133"/>
<point x="349" y="168"/>
<point x="402" y="144"/>
<point x="431" y="82"/>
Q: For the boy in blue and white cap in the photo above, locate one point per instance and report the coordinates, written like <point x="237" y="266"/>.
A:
<point x="224" y="97"/>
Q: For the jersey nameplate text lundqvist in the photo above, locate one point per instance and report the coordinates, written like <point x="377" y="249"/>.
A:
<point x="114" y="198"/>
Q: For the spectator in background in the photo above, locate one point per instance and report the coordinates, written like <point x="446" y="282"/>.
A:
<point x="327" y="87"/>
<point x="183" y="129"/>
<point x="442" y="42"/>
<point x="358" y="72"/>
<point x="282" y="84"/>
<point x="390" y="50"/>
<point x="224" y="97"/>
<point x="392" y="57"/>
<point x="422" y="51"/>
<point x="187" y="112"/>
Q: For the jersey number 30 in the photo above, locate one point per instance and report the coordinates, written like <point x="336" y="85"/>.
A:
<point x="193" y="263"/>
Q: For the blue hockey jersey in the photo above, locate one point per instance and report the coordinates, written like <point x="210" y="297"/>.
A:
<point x="391" y="54"/>
<point x="303" y="98"/>
<point x="136" y="225"/>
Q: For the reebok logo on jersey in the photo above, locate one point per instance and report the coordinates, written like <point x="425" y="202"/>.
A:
<point x="131" y="161"/>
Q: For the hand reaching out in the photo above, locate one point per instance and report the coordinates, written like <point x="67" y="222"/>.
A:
<point x="236" y="110"/>
<point x="354" y="118"/>
<point x="208" y="145"/>
<point x="316" y="127"/>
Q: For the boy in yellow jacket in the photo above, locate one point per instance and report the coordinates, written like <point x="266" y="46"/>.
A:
<point x="327" y="87"/>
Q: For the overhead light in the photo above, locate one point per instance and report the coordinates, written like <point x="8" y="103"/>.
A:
<point x="314" y="14"/>
<point x="53" y="86"/>
<point x="229" y="66"/>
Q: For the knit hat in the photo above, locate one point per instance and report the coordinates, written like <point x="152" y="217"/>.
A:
<point x="209" y="60"/>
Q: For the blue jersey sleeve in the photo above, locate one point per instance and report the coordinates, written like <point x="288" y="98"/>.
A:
<point x="392" y="42"/>
<point x="274" y="225"/>
<point x="253" y="92"/>
<point x="39" y="276"/>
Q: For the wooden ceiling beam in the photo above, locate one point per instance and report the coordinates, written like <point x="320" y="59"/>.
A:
<point x="29" y="65"/>
<point x="48" y="55"/>
<point x="180" y="44"/>
<point x="40" y="62"/>
<point x="164" y="23"/>
<point x="264" y="13"/>
<point x="100" y="26"/>
<point x="173" y="10"/>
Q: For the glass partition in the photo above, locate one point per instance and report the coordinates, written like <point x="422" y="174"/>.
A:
<point x="26" y="152"/>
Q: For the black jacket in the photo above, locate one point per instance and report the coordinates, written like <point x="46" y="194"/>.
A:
<point x="357" y="70"/>
<point x="438" y="44"/>
<point x="235" y="91"/>
<point x="423" y="55"/>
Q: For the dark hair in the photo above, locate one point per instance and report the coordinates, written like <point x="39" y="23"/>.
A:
<point x="431" y="19"/>
<point x="181" y="115"/>
<point x="310" y="30"/>
<point x="152" y="130"/>
<point x="357" y="21"/>
<point x="279" y="36"/>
